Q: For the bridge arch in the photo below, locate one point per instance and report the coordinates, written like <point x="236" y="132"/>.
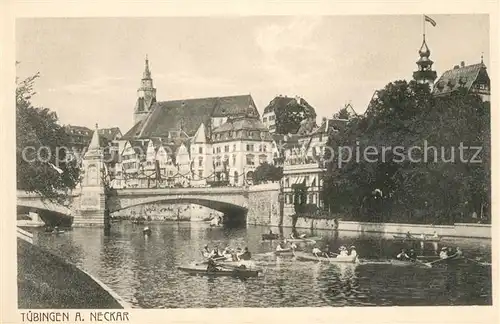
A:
<point x="234" y="211"/>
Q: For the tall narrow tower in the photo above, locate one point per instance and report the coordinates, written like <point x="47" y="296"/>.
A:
<point x="425" y="74"/>
<point x="146" y="95"/>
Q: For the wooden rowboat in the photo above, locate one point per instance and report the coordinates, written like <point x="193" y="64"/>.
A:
<point x="223" y="272"/>
<point x="287" y="251"/>
<point x="304" y="240"/>
<point x="426" y="238"/>
<point x="338" y="259"/>
<point x="269" y="236"/>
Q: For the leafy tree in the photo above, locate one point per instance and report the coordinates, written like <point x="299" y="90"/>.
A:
<point x="44" y="165"/>
<point x="345" y="113"/>
<point x="407" y="115"/>
<point x="289" y="117"/>
<point x="267" y="172"/>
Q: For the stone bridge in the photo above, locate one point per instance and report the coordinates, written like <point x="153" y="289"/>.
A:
<point x="49" y="212"/>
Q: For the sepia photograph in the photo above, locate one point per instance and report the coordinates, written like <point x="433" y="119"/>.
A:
<point x="253" y="162"/>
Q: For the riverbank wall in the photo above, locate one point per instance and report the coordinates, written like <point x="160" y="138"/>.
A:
<point x="46" y="281"/>
<point x="469" y="230"/>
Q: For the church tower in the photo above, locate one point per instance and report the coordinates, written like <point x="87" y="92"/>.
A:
<point x="424" y="73"/>
<point x="146" y="95"/>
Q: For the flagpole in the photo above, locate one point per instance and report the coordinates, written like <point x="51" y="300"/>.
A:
<point x="423" y="26"/>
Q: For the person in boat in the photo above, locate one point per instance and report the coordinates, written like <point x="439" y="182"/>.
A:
<point x="206" y="251"/>
<point x="216" y="253"/>
<point x="412" y="255"/>
<point x="211" y="265"/>
<point x="458" y="252"/>
<point x="435" y="235"/>
<point x="316" y="251"/>
<point x="402" y="255"/>
<point x="408" y="235"/>
<point x="271" y="232"/>
<point x="246" y="255"/>
<point x="279" y="247"/>
<point x="227" y="253"/>
<point x="302" y="236"/>
<point x="293" y="246"/>
<point x="343" y="251"/>
<point x="353" y="252"/>
<point x="444" y="253"/>
<point x="292" y="236"/>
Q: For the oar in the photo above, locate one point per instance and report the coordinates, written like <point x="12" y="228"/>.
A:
<point x="429" y="264"/>
<point x="478" y="262"/>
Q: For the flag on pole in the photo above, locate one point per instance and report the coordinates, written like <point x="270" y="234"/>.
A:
<point x="430" y="20"/>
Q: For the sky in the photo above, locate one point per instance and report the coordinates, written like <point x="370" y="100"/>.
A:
<point x="91" y="67"/>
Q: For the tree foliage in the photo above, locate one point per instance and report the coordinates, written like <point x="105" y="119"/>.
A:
<point x="289" y="117"/>
<point x="41" y="148"/>
<point x="429" y="189"/>
<point x="267" y="172"/>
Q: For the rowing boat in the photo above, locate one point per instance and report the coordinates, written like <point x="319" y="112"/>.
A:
<point x="338" y="259"/>
<point x="426" y="238"/>
<point x="304" y="240"/>
<point x="287" y="251"/>
<point x="223" y="271"/>
<point x="269" y="236"/>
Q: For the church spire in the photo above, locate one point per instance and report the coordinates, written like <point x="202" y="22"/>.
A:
<point x="147" y="72"/>
<point x="146" y="95"/>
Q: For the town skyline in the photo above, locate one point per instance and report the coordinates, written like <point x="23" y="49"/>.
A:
<point x="327" y="60"/>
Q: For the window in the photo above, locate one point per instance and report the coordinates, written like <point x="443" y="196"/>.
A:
<point x="262" y="158"/>
<point x="260" y="147"/>
<point x="231" y="134"/>
<point x="234" y="160"/>
<point x="218" y="150"/>
<point x="313" y="183"/>
<point x="287" y="182"/>
<point x="264" y="148"/>
<point x="234" y="147"/>
<point x="200" y="162"/>
<point x="200" y="150"/>
<point x="250" y="134"/>
<point x="249" y="147"/>
<point x="226" y="148"/>
<point x="264" y="119"/>
<point x="250" y="159"/>
<point x="200" y="174"/>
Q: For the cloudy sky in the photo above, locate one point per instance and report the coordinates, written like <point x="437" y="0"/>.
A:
<point x="91" y="67"/>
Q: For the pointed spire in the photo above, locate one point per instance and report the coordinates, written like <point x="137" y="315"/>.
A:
<point x="94" y="142"/>
<point x="482" y="62"/>
<point x="147" y="72"/>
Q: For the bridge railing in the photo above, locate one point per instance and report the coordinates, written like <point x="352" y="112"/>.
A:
<point x="24" y="235"/>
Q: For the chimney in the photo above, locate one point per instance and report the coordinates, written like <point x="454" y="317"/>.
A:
<point x="462" y="64"/>
<point x="297" y="98"/>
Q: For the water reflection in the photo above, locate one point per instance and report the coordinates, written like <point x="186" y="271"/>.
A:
<point x="143" y="270"/>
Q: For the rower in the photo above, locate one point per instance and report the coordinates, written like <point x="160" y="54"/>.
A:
<point x="458" y="252"/>
<point x="353" y="251"/>
<point x="246" y="255"/>
<point x="343" y="251"/>
<point x="279" y="247"/>
<point x="206" y="252"/>
<point x="444" y="253"/>
<point x="293" y="246"/>
<point x="271" y="232"/>
<point x="408" y="234"/>
<point x="211" y="265"/>
<point x="215" y="253"/>
<point x="435" y="234"/>
<point x="402" y="255"/>
<point x="412" y="255"/>
<point x="316" y="251"/>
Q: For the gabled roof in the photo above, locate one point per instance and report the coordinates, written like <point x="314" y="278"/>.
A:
<point x="110" y="133"/>
<point x="242" y="124"/>
<point x="188" y="114"/>
<point x="460" y="77"/>
<point x="133" y="132"/>
<point x="281" y="102"/>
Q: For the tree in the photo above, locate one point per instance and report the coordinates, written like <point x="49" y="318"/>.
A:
<point x="44" y="164"/>
<point x="289" y="116"/>
<point x="267" y="172"/>
<point x="406" y="115"/>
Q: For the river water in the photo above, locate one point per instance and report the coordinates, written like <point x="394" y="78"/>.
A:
<point x="143" y="270"/>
